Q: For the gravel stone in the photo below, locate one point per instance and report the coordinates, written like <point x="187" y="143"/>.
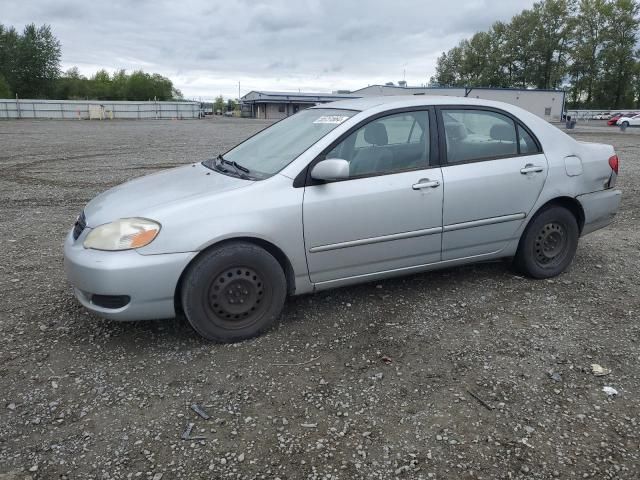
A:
<point x="123" y="391"/>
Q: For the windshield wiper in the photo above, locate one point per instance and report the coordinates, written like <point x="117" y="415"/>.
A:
<point x="218" y="162"/>
<point x="241" y="171"/>
<point x="240" y="167"/>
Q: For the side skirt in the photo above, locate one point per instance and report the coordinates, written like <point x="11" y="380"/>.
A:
<point x="408" y="270"/>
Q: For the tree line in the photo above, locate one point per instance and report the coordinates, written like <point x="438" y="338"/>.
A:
<point x="220" y="105"/>
<point x="587" y="47"/>
<point x="30" y="68"/>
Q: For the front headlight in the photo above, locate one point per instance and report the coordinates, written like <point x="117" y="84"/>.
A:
<point x="123" y="234"/>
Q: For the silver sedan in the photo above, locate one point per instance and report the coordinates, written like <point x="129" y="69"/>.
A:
<point x="338" y="194"/>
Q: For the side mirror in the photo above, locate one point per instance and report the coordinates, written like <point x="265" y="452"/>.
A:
<point x="330" y="170"/>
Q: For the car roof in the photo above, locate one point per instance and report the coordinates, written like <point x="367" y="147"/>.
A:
<point x="400" y="101"/>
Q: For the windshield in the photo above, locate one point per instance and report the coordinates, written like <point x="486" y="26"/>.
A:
<point x="269" y="151"/>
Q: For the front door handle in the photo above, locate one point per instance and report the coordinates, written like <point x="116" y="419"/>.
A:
<point x="425" y="183"/>
<point x="531" y="168"/>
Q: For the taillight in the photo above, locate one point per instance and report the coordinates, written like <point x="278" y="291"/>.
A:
<point x="613" y="163"/>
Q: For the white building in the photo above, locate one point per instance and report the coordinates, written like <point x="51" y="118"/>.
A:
<point x="548" y="104"/>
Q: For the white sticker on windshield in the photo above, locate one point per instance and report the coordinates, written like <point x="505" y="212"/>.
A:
<point x="335" y="119"/>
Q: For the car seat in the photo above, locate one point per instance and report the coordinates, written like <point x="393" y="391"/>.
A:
<point x="376" y="158"/>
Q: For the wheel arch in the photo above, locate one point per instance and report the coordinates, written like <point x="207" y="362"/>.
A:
<point x="273" y="249"/>
<point x="569" y="203"/>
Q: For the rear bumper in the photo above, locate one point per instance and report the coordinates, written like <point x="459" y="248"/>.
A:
<point x="148" y="280"/>
<point x="599" y="208"/>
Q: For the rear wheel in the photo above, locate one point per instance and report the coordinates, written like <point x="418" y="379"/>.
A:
<point x="548" y="244"/>
<point x="233" y="292"/>
<point x="625" y="124"/>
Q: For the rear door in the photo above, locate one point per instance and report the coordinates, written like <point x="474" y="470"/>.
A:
<point x="388" y="214"/>
<point x="493" y="172"/>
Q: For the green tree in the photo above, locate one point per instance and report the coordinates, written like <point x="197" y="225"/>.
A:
<point x="591" y="46"/>
<point x="119" y="85"/>
<point x="71" y="85"/>
<point x="100" y="86"/>
<point x="5" y="91"/>
<point x="449" y="68"/>
<point x="218" y="104"/>
<point x="232" y="105"/>
<point x="138" y="86"/>
<point x="9" y="39"/>
<point x="636" y="81"/>
<point x="619" y="56"/>
<point x="37" y="63"/>
<point x="586" y="61"/>
<point x="520" y="48"/>
<point x="555" y="21"/>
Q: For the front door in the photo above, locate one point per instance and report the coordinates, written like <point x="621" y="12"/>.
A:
<point x="388" y="214"/>
<point x="494" y="173"/>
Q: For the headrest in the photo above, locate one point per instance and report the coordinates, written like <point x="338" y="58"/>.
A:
<point x="503" y="133"/>
<point x="376" y="134"/>
<point x="455" y="131"/>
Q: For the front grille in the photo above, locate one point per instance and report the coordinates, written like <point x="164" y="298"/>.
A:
<point x="79" y="226"/>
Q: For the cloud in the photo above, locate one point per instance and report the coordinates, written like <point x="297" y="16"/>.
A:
<point x="206" y="47"/>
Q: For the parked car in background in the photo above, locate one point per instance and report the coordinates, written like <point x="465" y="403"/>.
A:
<point x="602" y="116"/>
<point x="349" y="192"/>
<point x="628" y="121"/>
<point x="613" y="121"/>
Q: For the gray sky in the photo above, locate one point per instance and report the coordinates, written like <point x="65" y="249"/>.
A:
<point x="206" y="47"/>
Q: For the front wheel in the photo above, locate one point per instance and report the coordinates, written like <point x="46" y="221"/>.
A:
<point x="625" y="124"/>
<point x="233" y="292"/>
<point x="548" y="244"/>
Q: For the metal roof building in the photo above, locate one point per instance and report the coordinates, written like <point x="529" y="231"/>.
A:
<point x="547" y="104"/>
<point x="276" y="105"/>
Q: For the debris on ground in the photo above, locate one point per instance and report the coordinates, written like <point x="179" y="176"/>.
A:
<point x="479" y="399"/>
<point x="186" y="435"/>
<point x="200" y="411"/>
<point x="555" y="376"/>
<point x="599" y="371"/>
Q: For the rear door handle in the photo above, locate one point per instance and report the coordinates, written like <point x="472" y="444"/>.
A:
<point x="530" y="168"/>
<point x="425" y="183"/>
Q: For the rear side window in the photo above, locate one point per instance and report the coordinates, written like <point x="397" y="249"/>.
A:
<point x="478" y="134"/>
<point x="527" y="144"/>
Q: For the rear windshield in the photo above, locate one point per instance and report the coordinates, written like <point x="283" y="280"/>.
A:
<point x="269" y="151"/>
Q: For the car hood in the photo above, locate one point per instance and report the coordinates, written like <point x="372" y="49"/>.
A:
<point x="136" y="197"/>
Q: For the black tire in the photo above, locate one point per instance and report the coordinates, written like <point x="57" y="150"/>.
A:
<point x="625" y="124"/>
<point x="548" y="244"/>
<point x="233" y="292"/>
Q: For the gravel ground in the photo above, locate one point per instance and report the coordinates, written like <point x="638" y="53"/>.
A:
<point x="466" y="373"/>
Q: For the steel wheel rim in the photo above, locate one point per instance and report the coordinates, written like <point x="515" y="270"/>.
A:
<point x="551" y="244"/>
<point x="236" y="297"/>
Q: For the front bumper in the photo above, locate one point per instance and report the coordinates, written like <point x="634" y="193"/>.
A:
<point x="599" y="208"/>
<point x="149" y="280"/>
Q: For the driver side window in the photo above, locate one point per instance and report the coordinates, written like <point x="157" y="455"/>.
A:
<point x="390" y="144"/>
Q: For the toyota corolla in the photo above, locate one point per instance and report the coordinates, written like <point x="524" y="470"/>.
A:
<point x="342" y="193"/>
